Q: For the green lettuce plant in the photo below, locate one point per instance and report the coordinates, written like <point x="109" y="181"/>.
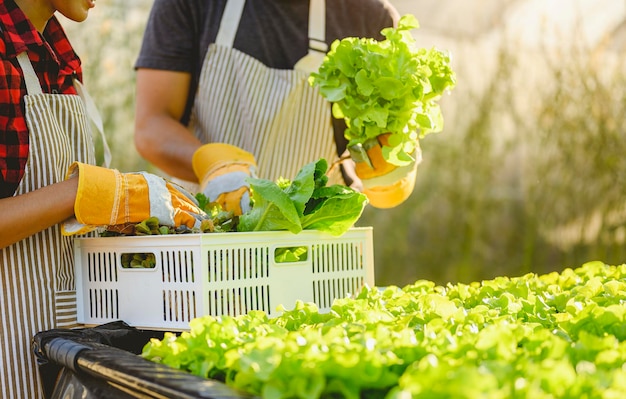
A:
<point x="305" y="203"/>
<point x="558" y="335"/>
<point x="388" y="86"/>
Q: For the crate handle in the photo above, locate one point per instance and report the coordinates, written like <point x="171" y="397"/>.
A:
<point x="291" y="254"/>
<point x="138" y="260"/>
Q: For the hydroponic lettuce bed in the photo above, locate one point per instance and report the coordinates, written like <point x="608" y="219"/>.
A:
<point x="559" y="335"/>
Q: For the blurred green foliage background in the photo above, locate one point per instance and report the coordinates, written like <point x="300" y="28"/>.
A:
<point x="529" y="174"/>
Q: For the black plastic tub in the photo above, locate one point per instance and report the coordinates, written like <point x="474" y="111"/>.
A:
<point x="103" y="362"/>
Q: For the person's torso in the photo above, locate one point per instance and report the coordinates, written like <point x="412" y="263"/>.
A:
<point x="273" y="32"/>
<point x="271" y="112"/>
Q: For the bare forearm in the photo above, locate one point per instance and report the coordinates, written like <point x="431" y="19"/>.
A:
<point x="25" y="215"/>
<point x="160" y="137"/>
<point x="168" y="145"/>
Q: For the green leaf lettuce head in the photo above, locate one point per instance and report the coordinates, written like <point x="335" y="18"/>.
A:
<point x="304" y="203"/>
<point x="388" y="86"/>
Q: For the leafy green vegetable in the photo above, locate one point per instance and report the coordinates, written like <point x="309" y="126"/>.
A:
<point x="559" y="335"/>
<point x="304" y="203"/>
<point x="388" y="86"/>
<point x="291" y="254"/>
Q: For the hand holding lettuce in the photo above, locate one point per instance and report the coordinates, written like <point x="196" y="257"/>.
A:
<point x="387" y="92"/>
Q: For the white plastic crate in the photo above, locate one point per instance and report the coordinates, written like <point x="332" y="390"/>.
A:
<point x="216" y="274"/>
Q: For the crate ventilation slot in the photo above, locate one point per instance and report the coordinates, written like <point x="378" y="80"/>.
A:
<point x="103" y="303"/>
<point x="238" y="301"/>
<point x="179" y="305"/>
<point x="177" y="267"/>
<point x="102" y="267"/>
<point x="337" y="257"/>
<point x="237" y="264"/>
<point x="326" y="290"/>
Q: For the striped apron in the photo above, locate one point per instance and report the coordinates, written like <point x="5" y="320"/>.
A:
<point x="37" y="274"/>
<point x="273" y="113"/>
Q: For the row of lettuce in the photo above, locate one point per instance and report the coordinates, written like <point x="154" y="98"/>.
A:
<point x="559" y="335"/>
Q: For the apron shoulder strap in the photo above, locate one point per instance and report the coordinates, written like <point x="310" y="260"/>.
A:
<point x="30" y="77"/>
<point x="230" y="23"/>
<point x="33" y="87"/>
<point x="317" y="25"/>
<point x="317" y="38"/>
<point x="96" y="119"/>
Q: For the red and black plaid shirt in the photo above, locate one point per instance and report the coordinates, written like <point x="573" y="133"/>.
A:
<point x="55" y="63"/>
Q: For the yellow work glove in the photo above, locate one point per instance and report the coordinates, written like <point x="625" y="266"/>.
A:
<point x="222" y="170"/>
<point x="106" y="197"/>
<point x="385" y="185"/>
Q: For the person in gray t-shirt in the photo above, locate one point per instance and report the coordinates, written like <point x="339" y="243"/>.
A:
<point x="176" y="67"/>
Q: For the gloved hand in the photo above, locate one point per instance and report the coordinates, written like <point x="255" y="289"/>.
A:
<point x="385" y="185"/>
<point x="106" y="197"/>
<point x="222" y="170"/>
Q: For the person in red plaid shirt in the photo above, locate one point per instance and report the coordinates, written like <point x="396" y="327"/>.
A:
<point x="50" y="189"/>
